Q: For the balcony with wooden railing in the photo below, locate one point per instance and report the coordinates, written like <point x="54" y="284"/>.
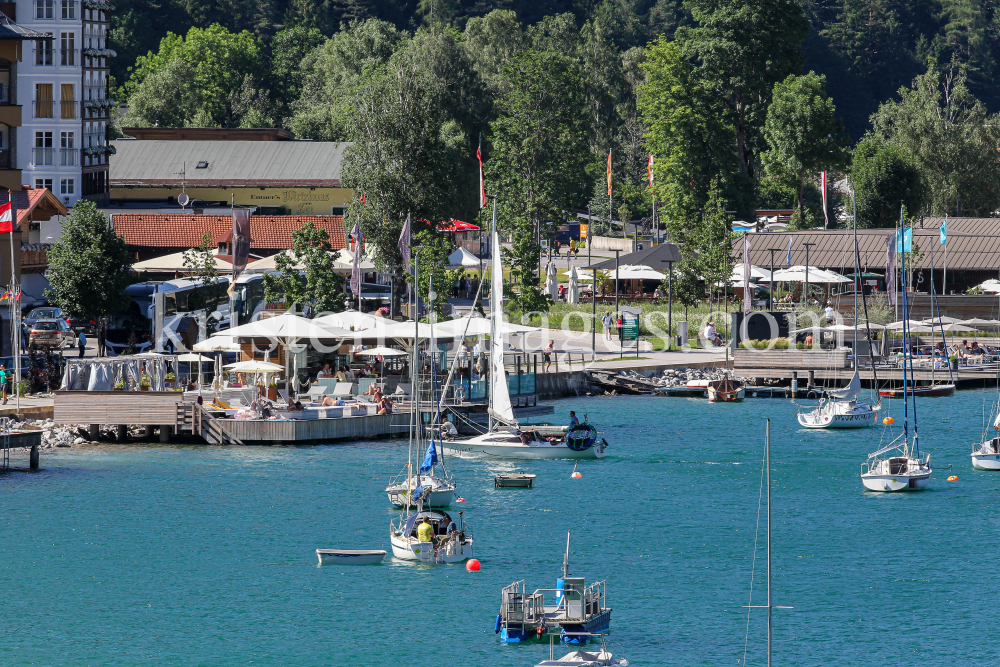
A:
<point x="34" y="261"/>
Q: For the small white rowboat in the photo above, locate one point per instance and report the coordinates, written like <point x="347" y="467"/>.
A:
<point x="350" y="556"/>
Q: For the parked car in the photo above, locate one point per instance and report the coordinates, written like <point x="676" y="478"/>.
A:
<point x="79" y="324"/>
<point x="45" y="313"/>
<point x="51" y="333"/>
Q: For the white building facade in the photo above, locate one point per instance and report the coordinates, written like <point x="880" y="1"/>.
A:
<point x="63" y="89"/>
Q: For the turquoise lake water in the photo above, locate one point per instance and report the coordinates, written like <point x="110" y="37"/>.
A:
<point x="191" y="555"/>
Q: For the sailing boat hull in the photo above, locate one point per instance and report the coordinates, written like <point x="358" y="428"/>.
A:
<point x="834" y="415"/>
<point x="519" y="451"/>
<point x="439" y="498"/>
<point x="933" y="391"/>
<point x="452" y="551"/>
<point x="986" y="461"/>
<point x="890" y="483"/>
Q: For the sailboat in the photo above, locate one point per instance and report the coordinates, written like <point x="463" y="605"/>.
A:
<point x="903" y="469"/>
<point x="986" y="454"/>
<point x="445" y="542"/>
<point x="841" y="408"/>
<point x="506" y="437"/>
<point x="435" y="490"/>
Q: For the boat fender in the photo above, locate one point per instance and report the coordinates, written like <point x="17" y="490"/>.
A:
<point x="496" y="626"/>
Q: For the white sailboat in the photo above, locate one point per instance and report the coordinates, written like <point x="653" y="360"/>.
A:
<point x="436" y="490"/>
<point x="505" y="436"/>
<point x="986" y="454"/>
<point x="903" y="469"/>
<point x="841" y="408"/>
<point x="443" y="541"/>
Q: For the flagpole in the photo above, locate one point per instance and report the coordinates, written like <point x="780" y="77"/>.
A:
<point x="15" y="315"/>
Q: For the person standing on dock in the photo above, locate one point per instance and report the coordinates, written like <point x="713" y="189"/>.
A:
<point x="606" y="320"/>
<point x="548" y="354"/>
<point x="82" y="339"/>
<point x="4" y="378"/>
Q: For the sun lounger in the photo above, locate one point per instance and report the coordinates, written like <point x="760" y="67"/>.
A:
<point x="342" y="389"/>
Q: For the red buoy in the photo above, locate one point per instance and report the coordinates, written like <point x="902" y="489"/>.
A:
<point x="472" y="565"/>
<point x="460" y="500"/>
<point x="888" y="420"/>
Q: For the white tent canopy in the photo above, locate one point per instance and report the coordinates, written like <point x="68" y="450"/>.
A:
<point x="287" y="327"/>
<point x="797" y="274"/>
<point x="175" y="263"/>
<point x="351" y="319"/>
<point x="756" y="273"/>
<point x="477" y="326"/>
<point x="463" y="258"/>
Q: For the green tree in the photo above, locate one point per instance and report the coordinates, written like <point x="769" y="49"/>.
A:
<point x="952" y="138"/>
<point x="690" y="133"/>
<point x="288" y="49"/>
<point x="539" y="159"/>
<point x="803" y="131"/>
<point x="744" y="47"/>
<point x="221" y="74"/>
<point x="432" y="250"/>
<point x="306" y="277"/>
<point x="686" y="287"/>
<point x="883" y="175"/>
<point x="89" y="266"/>
<point x="712" y="243"/>
<point x="202" y="261"/>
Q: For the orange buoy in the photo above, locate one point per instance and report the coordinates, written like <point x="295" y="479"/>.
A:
<point x="888" y="420"/>
<point x="577" y="475"/>
<point x="953" y="478"/>
<point x="460" y="500"/>
<point x="472" y="565"/>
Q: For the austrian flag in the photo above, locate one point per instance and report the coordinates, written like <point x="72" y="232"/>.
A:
<point x="6" y="218"/>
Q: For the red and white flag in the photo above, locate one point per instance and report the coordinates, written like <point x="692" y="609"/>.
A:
<point x="826" y="220"/>
<point x="482" y="184"/>
<point x="6" y="218"/>
<point x="649" y="170"/>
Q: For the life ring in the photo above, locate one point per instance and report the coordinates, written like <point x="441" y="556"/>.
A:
<point x="811" y="394"/>
<point x="581" y="437"/>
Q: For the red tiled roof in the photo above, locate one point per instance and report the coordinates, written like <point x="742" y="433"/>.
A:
<point x="27" y="200"/>
<point x="268" y="232"/>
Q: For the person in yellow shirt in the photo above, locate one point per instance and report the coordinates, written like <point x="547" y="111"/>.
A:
<point x="425" y="531"/>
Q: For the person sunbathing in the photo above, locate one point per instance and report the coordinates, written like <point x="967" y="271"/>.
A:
<point x="372" y="389"/>
<point x="385" y="406"/>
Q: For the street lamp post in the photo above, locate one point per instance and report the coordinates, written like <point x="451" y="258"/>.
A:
<point x="770" y="291"/>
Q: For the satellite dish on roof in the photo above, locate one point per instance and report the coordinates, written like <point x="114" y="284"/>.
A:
<point x="183" y="199"/>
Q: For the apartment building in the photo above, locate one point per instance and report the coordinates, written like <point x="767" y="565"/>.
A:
<point x="63" y="134"/>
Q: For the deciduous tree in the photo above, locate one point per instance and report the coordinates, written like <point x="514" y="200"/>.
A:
<point x="306" y="276"/>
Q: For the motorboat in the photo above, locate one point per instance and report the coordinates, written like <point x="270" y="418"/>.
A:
<point x="600" y="658"/>
<point x="576" y="612"/>
<point x="450" y="543"/>
<point x="841" y="409"/>
<point x="350" y="556"/>
<point x="727" y="390"/>
<point x="929" y="391"/>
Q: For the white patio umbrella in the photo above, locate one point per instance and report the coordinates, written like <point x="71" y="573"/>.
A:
<point x="797" y="274"/>
<point x="552" y="282"/>
<point x="217" y="343"/>
<point x="944" y="319"/>
<point x="477" y="326"/>
<point x="352" y="320"/>
<point x="991" y="285"/>
<point x="977" y="322"/>
<point x="254" y="366"/>
<point x="756" y="273"/>
<point x="636" y="272"/>
<point x="952" y="327"/>
<point x="195" y="358"/>
<point x="574" y="287"/>
<point x="382" y="351"/>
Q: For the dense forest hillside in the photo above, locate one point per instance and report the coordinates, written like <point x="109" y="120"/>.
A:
<point x="867" y="49"/>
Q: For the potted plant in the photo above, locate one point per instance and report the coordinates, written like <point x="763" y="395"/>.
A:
<point x="953" y="360"/>
<point x="171" y="379"/>
<point x="119" y="386"/>
<point x="145" y="383"/>
<point x="272" y="390"/>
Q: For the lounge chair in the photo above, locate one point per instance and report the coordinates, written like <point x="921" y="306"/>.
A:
<point x="342" y="389"/>
<point x="402" y="390"/>
<point x="316" y="393"/>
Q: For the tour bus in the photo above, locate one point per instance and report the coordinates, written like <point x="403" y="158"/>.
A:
<point x="172" y="313"/>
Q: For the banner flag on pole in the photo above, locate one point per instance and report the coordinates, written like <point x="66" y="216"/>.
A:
<point x="826" y="219"/>
<point x="649" y="170"/>
<point x="944" y="232"/>
<point x="241" y="241"/>
<point x="404" y="243"/>
<point x="482" y="183"/>
<point x="747" y="290"/>
<point x="609" y="173"/>
<point x="7" y="217"/>
<point x="890" y="270"/>
<point x="358" y="249"/>
<point x="788" y="257"/>
<point x="904" y="240"/>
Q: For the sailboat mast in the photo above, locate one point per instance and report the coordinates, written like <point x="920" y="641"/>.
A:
<point x="857" y="278"/>
<point x="907" y="353"/>
<point x="415" y="367"/>
<point x="767" y="464"/>
<point x="494" y="251"/>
